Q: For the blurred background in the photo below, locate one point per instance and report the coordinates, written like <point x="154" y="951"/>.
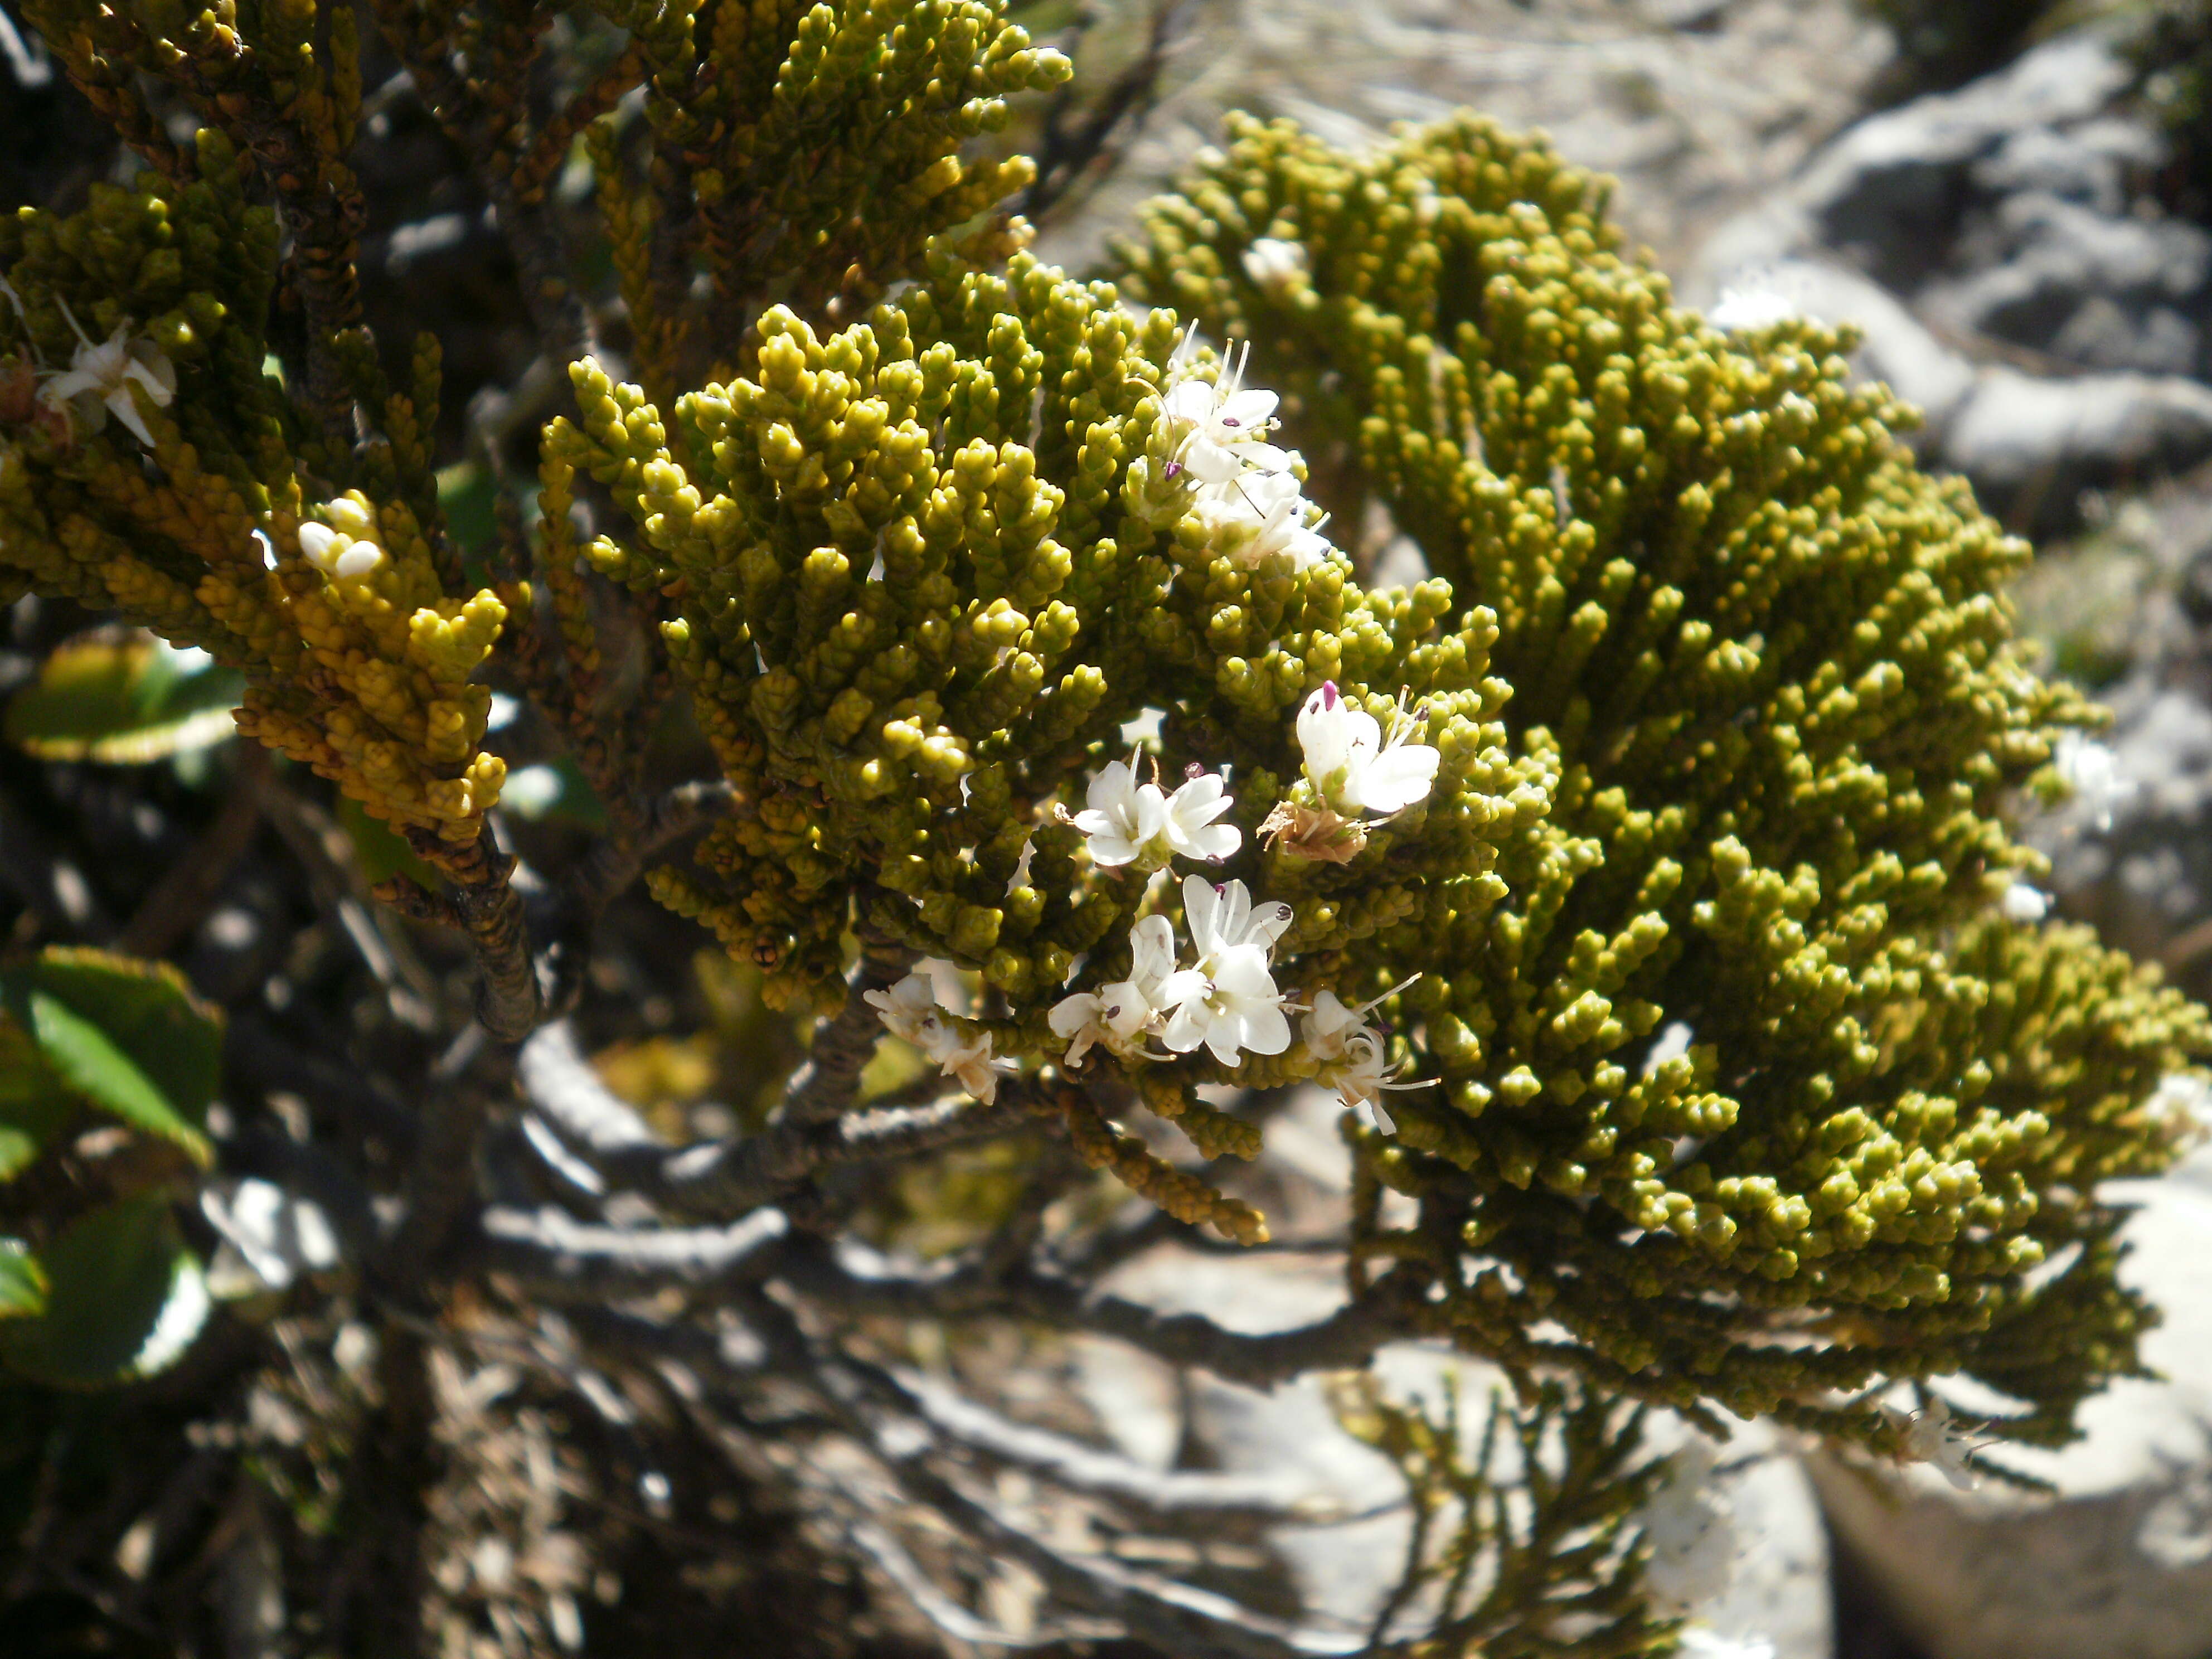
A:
<point x="2011" y="200"/>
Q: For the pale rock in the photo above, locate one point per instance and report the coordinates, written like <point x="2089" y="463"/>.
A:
<point x="1343" y="1570"/>
<point x="2118" y="1563"/>
<point x="1890" y="185"/>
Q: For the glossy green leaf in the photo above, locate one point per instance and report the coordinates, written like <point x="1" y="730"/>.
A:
<point x="34" y="1101"/>
<point x="470" y="500"/>
<point x="145" y="1008"/>
<point x="382" y="853"/>
<point x="124" y="1299"/>
<point x="22" y="1281"/>
<point x="89" y="1062"/>
<point x="126" y="701"/>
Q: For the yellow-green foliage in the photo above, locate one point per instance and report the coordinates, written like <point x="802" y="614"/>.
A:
<point x="363" y="675"/>
<point x="914" y="607"/>
<point x="1768" y="662"/>
<point x="1723" y="692"/>
<point x="814" y="148"/>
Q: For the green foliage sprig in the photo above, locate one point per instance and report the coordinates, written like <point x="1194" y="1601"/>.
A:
<point x="1768" y="662"/>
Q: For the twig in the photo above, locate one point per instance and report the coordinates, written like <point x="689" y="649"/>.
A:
<point x="614" y="863"/>
<point x="1066" y="154"/>
<point x="857" y="1280"/>
<point x="551" y="1251"/>
<point x="1086" y="1469"/>
<point x="728" y="1177"/>
<point x="1178" y="1617"/>
<point x="949" y="1616"/>
<point x="442" y="1177"/>
<point x="561" y="1083"/>
<point x="825" y="1086"/>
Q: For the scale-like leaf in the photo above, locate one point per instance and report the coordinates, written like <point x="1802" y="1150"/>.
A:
<point x="124" y="1299"/>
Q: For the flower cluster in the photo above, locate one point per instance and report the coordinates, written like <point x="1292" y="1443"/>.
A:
<point x="345" y="547"/>
<point x="1226" y="1002"/>
<point x="1357" y="775"/>
<point x="1129" y="822"/>
<point x="911" y="1012"/>
<point x="1353" y="1056"/>
<point x="1933" y="1437"/>
<point x="1245" y="495"/>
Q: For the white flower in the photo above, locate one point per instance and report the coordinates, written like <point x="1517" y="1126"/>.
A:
<point x="1080" y="1021"/>
<point x="100" y="377"/>
<point x="2091" y="772"/>
<point x="1232" y="1006"/>
<point x="1223" y="918"/>
<point x="2022" y="902"/>
<point x="1690" y="1534"/>
<point x="909" y="1011"/>
<point x="1328" y="1024"/>
<point x="1256" y="515"/>
<point x="1123" y="815"/>
<point x="1132" y="822"/>
<point x="1223" y="426"/>
<point x="1273" y="264"/>
<point x="971" y="1060"/>
<point x="1191" y="829"/>
<point x="1122" y="1014"/>
<point x="1352" y="765"/>
<point x="335" y="554"/>
<point x="1743" y="310"/>
<point x="1933" y="1436"/>
<point x="1360" y="1078"/>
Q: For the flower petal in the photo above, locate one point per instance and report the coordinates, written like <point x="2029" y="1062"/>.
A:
<point x="1396" y="778"/>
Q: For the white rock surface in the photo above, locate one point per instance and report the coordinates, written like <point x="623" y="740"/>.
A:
<point x="2118" y="1564"/>
<point x="1902" y="165"/>
<point x="1896" y="348"/>
<point x="2015" y="430"/>
<point x="1344" y="1570"/>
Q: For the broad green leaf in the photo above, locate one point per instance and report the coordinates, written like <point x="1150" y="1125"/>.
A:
<point x="22" y="1281"/>
<point x="382" y="853"/>
<point x="146" y="1011"/>
<point x="17" y="1148"/>
<point x="470" y="500"/>
<point x="89" y="1062"/>
<point x="34" y="1101"/>
<point x="124" y="1299"/>
<point x="126" y="701"/>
